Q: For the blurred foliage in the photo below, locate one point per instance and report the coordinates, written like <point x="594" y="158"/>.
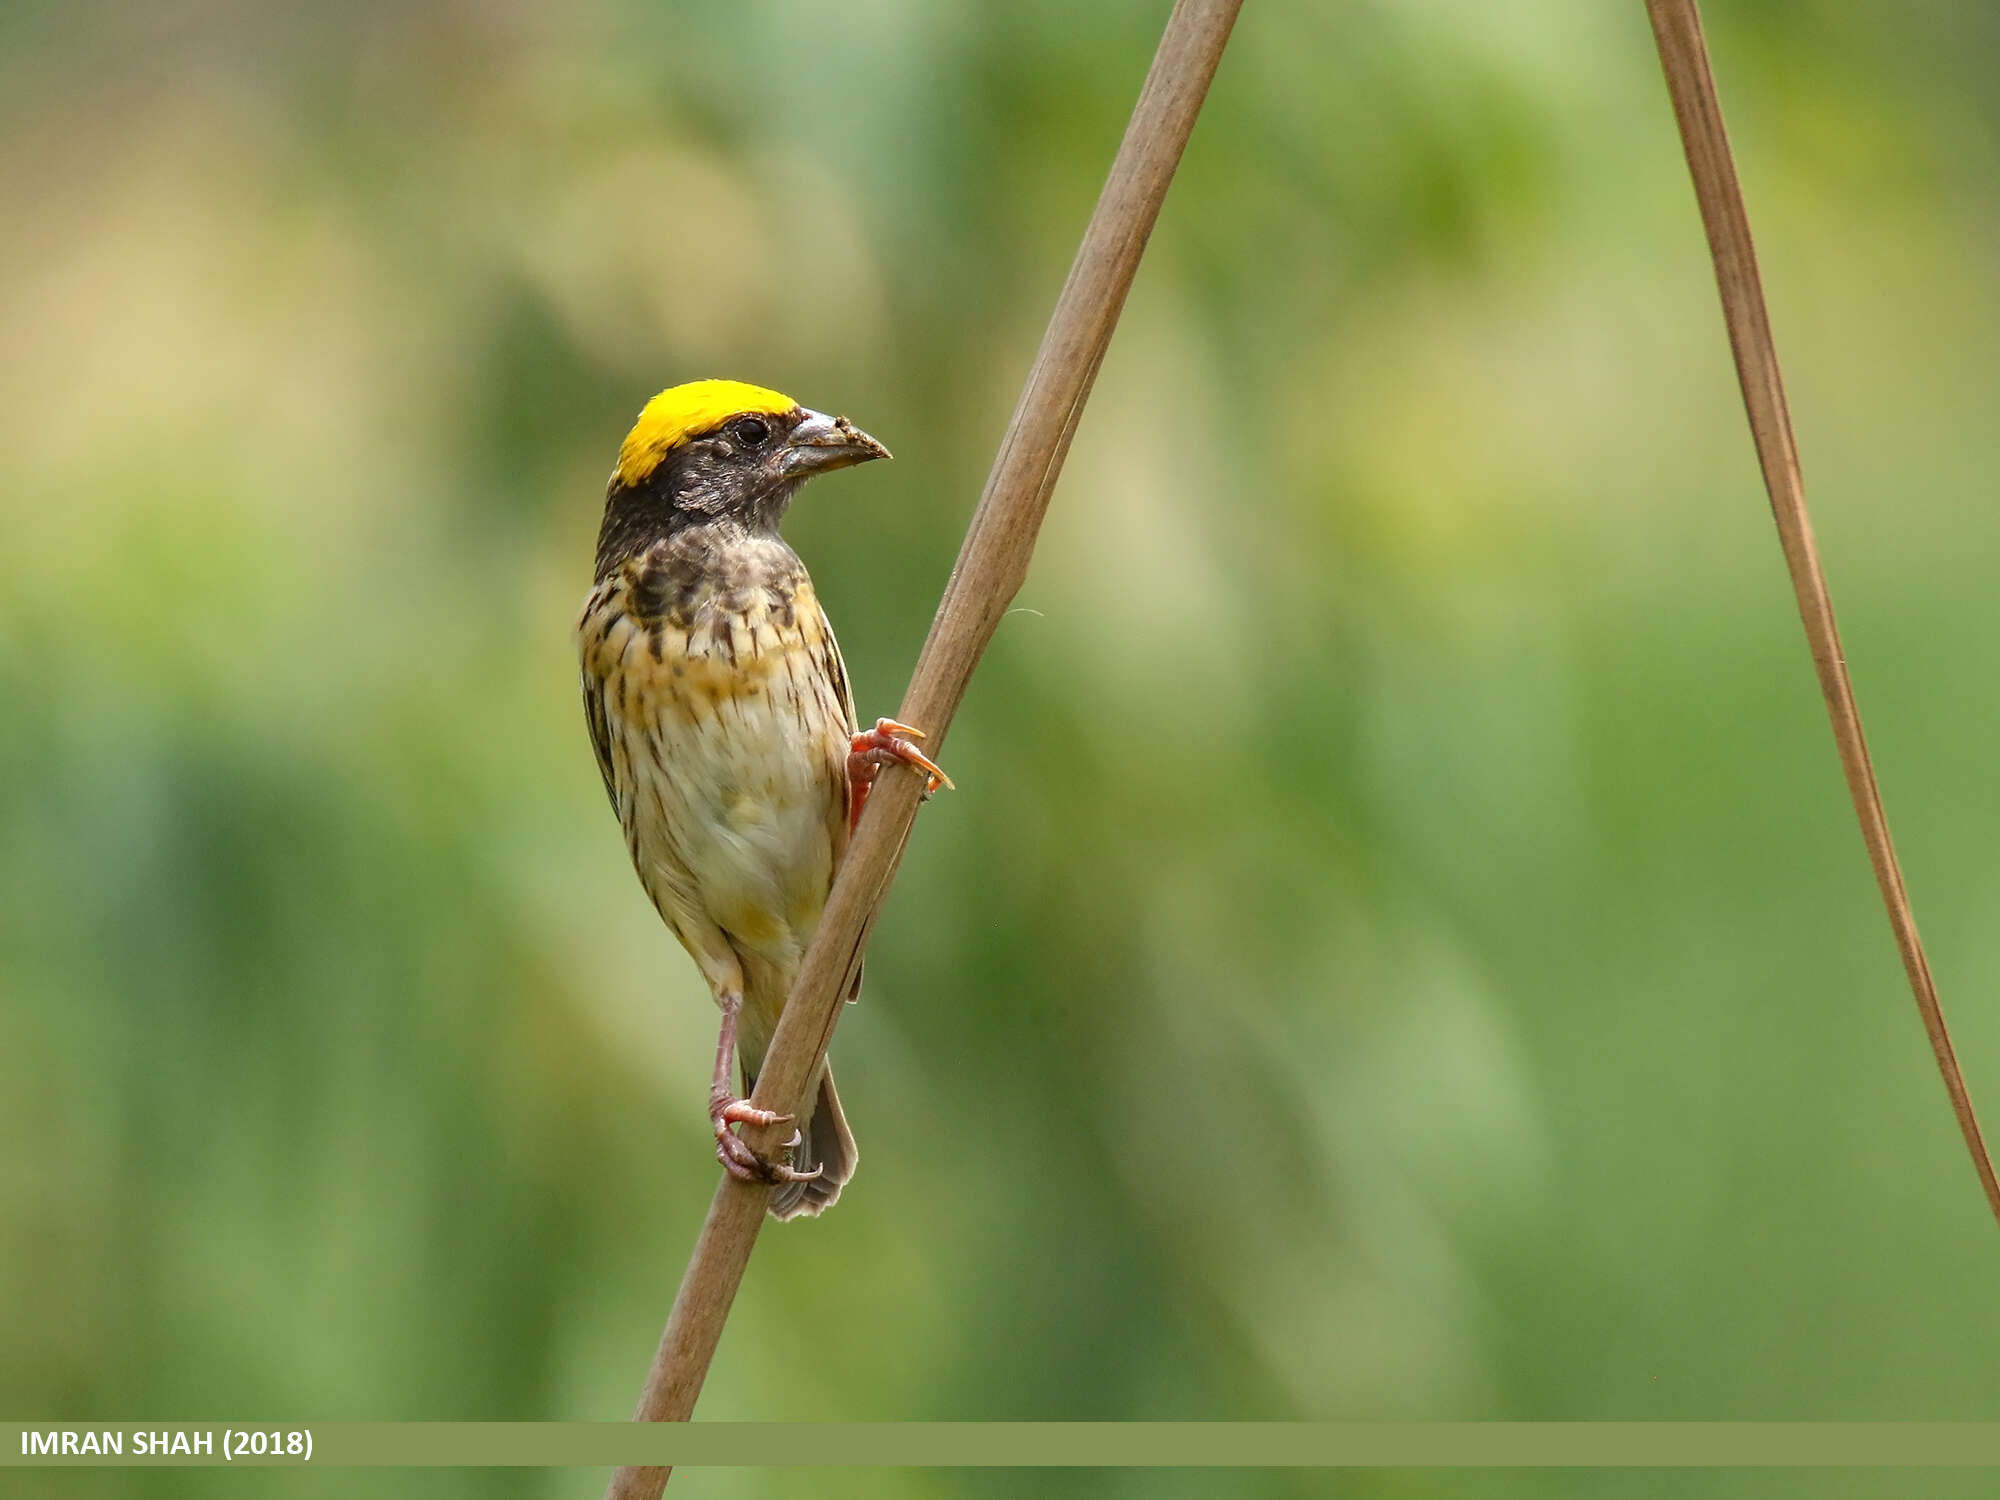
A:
<point x="1400" y="949"/>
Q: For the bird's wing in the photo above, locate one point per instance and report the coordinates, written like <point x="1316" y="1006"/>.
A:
<point x="599" y="723"/>
<point x="834" y="672"/>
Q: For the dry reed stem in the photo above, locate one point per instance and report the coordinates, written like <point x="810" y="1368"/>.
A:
<point x="991" y="566"/>
<point x="1691" y="82"/>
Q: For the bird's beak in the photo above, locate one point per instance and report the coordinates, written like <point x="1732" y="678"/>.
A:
<point x="821" y="443"/>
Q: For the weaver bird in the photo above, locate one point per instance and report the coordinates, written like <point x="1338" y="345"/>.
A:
<point x="725" y="729"/>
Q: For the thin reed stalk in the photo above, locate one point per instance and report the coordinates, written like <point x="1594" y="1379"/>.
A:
<point x="1691" y="82"/>
<point x="990" y="569"/>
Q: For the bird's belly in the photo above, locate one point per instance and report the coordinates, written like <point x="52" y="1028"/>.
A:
<point x="736" y="788"/>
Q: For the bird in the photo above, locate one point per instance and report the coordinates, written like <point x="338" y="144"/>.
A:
<point x="725" y="730"/>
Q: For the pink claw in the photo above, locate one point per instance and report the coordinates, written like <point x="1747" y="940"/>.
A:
<point x="874" y="748"/>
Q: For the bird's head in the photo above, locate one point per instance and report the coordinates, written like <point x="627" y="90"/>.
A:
<point x="715" y="449"/>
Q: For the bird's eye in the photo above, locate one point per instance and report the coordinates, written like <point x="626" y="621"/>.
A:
<point x="752" y="432"/>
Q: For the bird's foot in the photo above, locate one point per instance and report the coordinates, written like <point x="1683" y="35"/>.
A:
<point x="742" y="1163"/>
<point x="875" y="748"/>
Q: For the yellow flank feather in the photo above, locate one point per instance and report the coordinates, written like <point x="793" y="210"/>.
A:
<point x="687" y="411"/>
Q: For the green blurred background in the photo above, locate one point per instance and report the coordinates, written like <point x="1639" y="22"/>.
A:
<point x="1400" y="949"/>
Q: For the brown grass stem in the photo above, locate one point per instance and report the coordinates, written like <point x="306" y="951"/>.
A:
<point x="991" y="566"/>
<point x="1690" y="80"/>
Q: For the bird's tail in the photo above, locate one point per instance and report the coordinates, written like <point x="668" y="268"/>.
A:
<point x="824" y="1142"/>
<point x="824" y="1139"/>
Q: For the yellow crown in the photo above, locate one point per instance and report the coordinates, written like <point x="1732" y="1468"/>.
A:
<point x="687" y="411"/>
